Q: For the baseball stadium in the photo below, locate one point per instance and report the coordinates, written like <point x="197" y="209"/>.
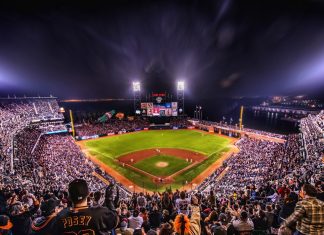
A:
<point x="161" y="117"/>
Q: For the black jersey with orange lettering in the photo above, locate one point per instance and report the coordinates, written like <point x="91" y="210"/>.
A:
<point x="86" y="221"/>
<point x="43" y="225"/>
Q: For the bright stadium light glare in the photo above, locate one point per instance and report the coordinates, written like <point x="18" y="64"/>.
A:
<point x="136" y="86"/>
<point x="180" y="86"/>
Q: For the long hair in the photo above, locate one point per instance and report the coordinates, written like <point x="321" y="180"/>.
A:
<point x="182" y="224"/>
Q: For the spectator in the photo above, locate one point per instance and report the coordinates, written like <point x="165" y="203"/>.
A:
<point x="123" y="230"/>
<point x="5" y="225"/>
<point x="260" y="222"/>
<point x="99" y="219"/>
<point x="244" y="223"/>
<point x="308" y="213"/>
<point x="166" y="229"/>
<point x="167" y="203"/>
<point x="288" y="207"/>
<point x="155" y="218"/>
<point x="21" y="214"/>
<point x="219" y="227"/>
<point x="182" y="204"/>
<point x="183" y="225"/>
<point x="43" y="225"/>
<point x="141" y="201"/>
<point x="135" y="221"/>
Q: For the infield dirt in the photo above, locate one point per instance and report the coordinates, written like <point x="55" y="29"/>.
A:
<point x="143" y="154"/>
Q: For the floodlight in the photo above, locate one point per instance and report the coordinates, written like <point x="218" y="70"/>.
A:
<point x="136" y="86"/>
<point x="180" y="86"/>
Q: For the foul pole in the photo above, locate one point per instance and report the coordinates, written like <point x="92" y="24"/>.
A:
<point x="72" y="123"/>
<point x="241" y="117"/>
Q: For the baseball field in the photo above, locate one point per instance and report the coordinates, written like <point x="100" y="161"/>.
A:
<point x="156" y="160"/>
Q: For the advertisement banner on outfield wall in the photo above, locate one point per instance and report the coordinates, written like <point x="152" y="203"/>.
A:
<point x="88" y="137"/>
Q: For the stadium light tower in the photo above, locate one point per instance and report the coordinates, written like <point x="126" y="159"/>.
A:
<point x="181" y="85"/>
<point x="137" y="96"/>
<point x="136" y="86"/>
<point x="180" y="96"/>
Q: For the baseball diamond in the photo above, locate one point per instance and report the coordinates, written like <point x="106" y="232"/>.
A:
<point x="158" y="159"/>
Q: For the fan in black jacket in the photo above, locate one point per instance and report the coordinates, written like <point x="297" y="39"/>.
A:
<point x="43" y="225"/>
<point x="81" y="219"/>
<point x="20" y="214"/>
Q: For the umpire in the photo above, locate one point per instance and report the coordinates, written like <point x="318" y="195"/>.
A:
<point x="81" y="219"/>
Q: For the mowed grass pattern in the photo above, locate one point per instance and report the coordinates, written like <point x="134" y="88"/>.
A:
<point x="110" y="148"/>
<point x="174" y="164"/>
<point x="184" y="139"/>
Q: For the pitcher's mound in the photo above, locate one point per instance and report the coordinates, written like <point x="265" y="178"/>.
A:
<point x="162" y="164"/>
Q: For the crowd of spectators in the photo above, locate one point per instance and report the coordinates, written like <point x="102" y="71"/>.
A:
<point x="180" y="122"/>
<point x="116" y="126"/>
<point x="24" y="143"/>
<point x="203" y="124"/>
<point x="56" y="161"/>
<point x="265" y="188"/>
<point x="250" y="211"/>
<point x="257" y="163"/>
<point x="18" y="113"/>
<point x="312" y="128"/>
<point x="112" y="126"/>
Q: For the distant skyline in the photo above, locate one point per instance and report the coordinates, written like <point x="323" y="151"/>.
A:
<point x="81" y="50"/>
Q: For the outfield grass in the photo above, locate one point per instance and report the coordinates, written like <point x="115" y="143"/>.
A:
<point x="184" y="139"/>
<point x="174" y="164"/>
<point x="108" y="149"/>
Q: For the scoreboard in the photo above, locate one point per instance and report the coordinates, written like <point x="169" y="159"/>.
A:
<point x="151" y="109"/>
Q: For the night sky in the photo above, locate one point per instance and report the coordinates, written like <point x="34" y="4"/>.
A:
<point x="74" y="49"/>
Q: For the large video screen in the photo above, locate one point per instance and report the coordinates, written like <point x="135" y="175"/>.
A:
<point x="162" y="110"/>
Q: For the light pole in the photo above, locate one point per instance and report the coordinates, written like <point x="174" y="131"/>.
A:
<point x="137" y="95"/>
<point x="200" y="111"/>
<point x="180" y="96"/>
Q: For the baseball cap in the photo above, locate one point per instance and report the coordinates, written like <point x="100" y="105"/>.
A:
<point x="78" y="190"/>
<point x="151" y="232"/>
<point x="48" y="207"/>
<point x="5" y="223"/>
<point x="123" y="225"/>
<point x="207" y="210"/>
<point x="222" y="217"/>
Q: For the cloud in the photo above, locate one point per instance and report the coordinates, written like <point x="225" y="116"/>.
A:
<point x="230" y="80"/>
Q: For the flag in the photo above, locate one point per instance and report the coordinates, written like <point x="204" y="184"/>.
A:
<point x="110" y="113"/>
<point x="106" y="116"/>
<point x="120" y="116"/>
